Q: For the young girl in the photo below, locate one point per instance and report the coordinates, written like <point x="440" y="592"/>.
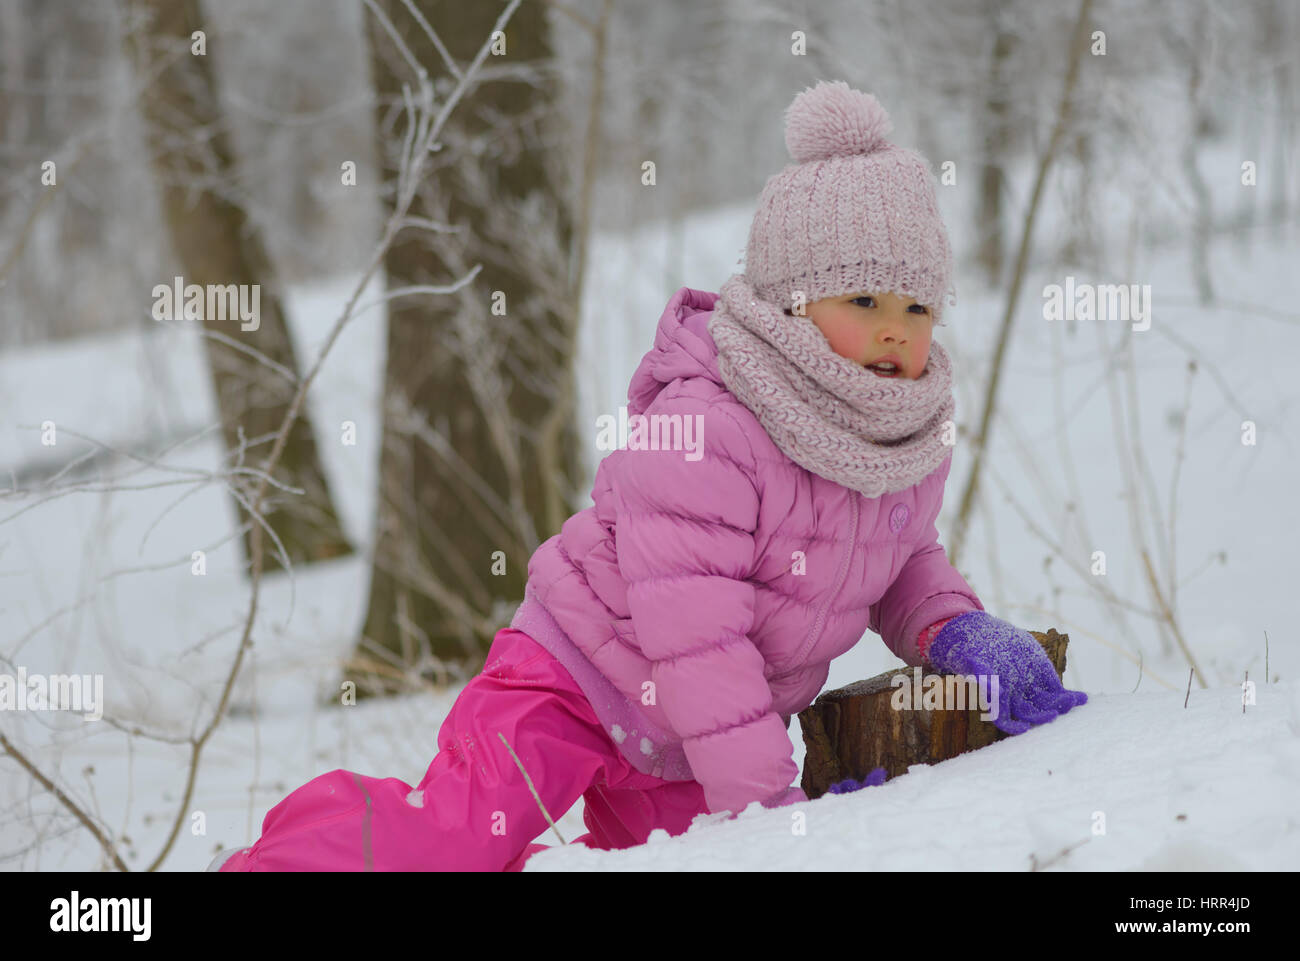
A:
<point x="668" y="632"/>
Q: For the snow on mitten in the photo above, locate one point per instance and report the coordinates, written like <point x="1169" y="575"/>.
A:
<point x="1029" y="692"/>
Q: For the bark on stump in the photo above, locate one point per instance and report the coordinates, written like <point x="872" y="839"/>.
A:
<point x="853" y="730"/>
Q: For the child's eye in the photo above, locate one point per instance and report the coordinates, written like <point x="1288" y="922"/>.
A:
<point x="921" y="307"/>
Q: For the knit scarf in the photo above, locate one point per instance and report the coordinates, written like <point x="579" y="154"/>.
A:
<point x="827" y="413"/>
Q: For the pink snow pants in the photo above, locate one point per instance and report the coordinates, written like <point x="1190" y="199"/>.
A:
<point x="473" y="810"/>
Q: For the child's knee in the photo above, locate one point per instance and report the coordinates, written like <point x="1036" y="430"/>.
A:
<point x="332" y="794"/>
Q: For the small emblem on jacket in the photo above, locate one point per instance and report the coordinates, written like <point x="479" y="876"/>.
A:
<point x="898" y="517"/>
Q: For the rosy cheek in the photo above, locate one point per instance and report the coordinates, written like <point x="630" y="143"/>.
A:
<point x="847" y="339"/>
<point x="920" y="354"/>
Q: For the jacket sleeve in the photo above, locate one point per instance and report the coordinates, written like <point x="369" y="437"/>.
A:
<point x="684" y="538"/>
<point x="927" y="589"/>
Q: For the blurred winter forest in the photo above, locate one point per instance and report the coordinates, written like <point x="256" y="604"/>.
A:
<point x="464" y="220"/>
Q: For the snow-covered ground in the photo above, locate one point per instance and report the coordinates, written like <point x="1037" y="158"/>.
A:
<point x="1128" y="782"/>
<point x="95" y="581"/>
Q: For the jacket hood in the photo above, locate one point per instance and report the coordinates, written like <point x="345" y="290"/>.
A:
<point x="682" y="348"/>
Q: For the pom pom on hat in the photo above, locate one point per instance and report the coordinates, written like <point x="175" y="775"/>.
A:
<point x="855" y="211"/>
<point x="834" y="120"/>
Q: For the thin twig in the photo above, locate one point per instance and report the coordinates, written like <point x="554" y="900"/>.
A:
<point x="1033" y="858"/>
<point x="394" y="292"/>
<point x="1022" y="259"/>
<point x="396" y="38"/>
<point x="1169" y="618"/>
<point x="66" y="801"/>
<point x="1073" y="629"/>
<point x="435" y="39"/>
<point x="233" y="344"/>
<point x="545" y="813"/>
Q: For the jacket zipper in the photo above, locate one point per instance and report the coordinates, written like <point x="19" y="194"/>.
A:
<point x="819" y="623"/>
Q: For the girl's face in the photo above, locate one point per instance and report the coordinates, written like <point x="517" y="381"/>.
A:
<point x="874" y="328"/>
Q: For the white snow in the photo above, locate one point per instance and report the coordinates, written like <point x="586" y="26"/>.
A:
<point x="101" y="582"/>
<point x="1109" y="781"/>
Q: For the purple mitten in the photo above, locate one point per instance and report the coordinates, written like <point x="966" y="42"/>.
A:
<point x="1029" y="692"/>
<point x="871" y="780"/>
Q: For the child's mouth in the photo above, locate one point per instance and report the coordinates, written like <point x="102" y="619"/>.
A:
<point x="884" y="370"/>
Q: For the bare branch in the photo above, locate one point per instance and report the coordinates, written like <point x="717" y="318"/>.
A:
<point x="109" y="849"/>
<point x="416" y="159"/>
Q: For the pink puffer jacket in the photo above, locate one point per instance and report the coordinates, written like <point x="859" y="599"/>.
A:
<point x="700" y="601"/>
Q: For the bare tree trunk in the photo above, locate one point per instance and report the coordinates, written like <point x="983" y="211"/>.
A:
<point x="478" y="435"/>
<point x="997" y="131"/>
<point x="55" y="77"/>
<point x="194" y="162"/>
<point x="1077" y="43"/>
<point x="852" y="730"/>
<point x="1200" y="124"/>
<point x="1080" y="245"/>
<point x="1282" y="19"/>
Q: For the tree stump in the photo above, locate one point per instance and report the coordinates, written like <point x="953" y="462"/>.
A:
<point x="853" y="730"/>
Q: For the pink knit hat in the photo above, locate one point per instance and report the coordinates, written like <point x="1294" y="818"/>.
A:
<point x="853" y="212"/>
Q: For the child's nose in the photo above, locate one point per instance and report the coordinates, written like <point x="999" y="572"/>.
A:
<point x="893" y="329"/>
